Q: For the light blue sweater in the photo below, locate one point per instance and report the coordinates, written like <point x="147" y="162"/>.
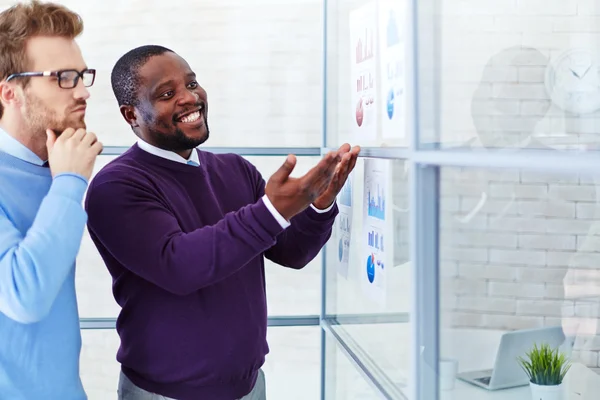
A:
<point x="41" y="226"/>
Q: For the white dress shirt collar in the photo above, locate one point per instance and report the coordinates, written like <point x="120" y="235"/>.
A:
<point x="169" y="155"/>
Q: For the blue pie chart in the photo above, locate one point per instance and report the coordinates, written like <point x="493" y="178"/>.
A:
<point x="390" y="103"/>
<point x="371" y="268"/>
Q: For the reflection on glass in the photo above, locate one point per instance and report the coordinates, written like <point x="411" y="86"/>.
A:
<point x="519" y="251"/>
<point x="506" y="110"/>
<point x="368" y="274"/>
<point x="510" y="75"/>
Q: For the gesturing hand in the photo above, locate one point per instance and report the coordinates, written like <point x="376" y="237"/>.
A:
<point x="342" y="170"/>
<point x="291" y="196"/>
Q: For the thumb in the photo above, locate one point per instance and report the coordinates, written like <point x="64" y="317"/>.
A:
<point x="51" y="139"/>
<point x="285" y="170"/>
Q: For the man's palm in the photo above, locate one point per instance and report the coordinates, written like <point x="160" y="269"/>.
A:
<point x="343" y="169"/>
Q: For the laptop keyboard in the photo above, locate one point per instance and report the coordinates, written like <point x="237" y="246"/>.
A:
<point x="484" y="380"/>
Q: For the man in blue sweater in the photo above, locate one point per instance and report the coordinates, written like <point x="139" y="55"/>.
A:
<point x="43" y="93"/>
<point x="184" y="234"/>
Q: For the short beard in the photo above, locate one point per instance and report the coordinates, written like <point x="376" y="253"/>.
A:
<point x="176" y="140"/>
<point x="39" y="118"/>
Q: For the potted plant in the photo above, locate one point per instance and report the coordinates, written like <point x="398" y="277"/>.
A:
<point x="546" y="369"/>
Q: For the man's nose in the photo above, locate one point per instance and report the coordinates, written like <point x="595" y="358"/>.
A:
<point x="189" y="97"/>
<point x="80" y="92"/>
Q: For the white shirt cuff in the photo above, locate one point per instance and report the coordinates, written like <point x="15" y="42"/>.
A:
<point x="284" y="224"/>
<point x="323" y="211"/>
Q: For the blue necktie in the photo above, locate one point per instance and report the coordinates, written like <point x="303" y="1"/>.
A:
<point x="193" y="163"/>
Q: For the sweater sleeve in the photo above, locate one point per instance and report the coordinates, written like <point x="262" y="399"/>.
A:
<point x="302" y="241"/>
<point x="144" y="236"/>
<point x="34" y="266"/>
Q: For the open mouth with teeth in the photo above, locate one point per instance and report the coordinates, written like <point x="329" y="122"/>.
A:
<point x="193" y="118"/>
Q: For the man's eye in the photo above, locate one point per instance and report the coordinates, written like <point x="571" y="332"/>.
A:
<point x="167" y="94"/>
<point x="193" y="85"/>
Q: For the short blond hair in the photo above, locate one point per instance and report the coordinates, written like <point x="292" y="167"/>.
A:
<point x="23" y="21"/>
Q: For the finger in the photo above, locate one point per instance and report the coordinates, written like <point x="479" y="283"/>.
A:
<point x="332" y="159"/>
<point x="79" y="134"/>
<point x="50" y="139"/>
<point x="345" y="148"/>
<point x="327" y="172"/>
<point x="352" y="162"/>
<point x="66" y="134"/>
<point x="343" y="164"/>
<point x="331" y="167"/>
<point x="341" y="173"/>
<point x="328" y="175"/>
<point x="97" y="147"/>
<point x="89" y="139"/>
<point x="335" y="182"/>
<point x="285" y="170"/>
<point x="327" y="162"/>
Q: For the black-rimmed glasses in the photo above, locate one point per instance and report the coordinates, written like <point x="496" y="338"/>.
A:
<point x="67" y="78"/>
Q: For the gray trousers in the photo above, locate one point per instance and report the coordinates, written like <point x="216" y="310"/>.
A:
<point x="129" y="391"/>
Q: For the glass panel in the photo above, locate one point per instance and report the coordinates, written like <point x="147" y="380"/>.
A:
<point x="291" y="369"/>
<point x="519" y="257"/>
<point x="343" y="380"/>
<point x="367" y="63"/>
<point x="99" y="368"/>
<point x="289" y="292"/>
<point x="511" y="74"/>
<point x="261" y="64"/>
<point x="93" y="283"/>
<point x="368" y="274"/>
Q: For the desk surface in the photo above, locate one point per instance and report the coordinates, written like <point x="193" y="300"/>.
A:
<point x="462" y="345"/>
<point x="466" y="391"/>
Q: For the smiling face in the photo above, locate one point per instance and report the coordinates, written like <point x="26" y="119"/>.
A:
<point x="171" y="111"/>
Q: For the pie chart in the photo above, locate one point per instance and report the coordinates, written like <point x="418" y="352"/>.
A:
<point x="360" y="112"/>
<point x="371" y="268"/>
<point x="390" y="103"/>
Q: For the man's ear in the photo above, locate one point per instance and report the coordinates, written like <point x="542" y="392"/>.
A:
<point x="128" y="112"/>
<point x="8" y="93"/>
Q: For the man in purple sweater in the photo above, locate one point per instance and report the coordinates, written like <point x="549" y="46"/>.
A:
<point x="184" y="234"/>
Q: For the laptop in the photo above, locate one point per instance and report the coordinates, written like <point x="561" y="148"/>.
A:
<point x="507" y="372"/>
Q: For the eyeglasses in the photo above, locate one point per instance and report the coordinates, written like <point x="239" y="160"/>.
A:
<point x="67" y="78"/>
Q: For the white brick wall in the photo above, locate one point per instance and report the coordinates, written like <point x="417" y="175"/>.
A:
<point x="530" y="263"/>
<point x="530" y="254"/>
<point x="260" y="62"/>
<point x="474" y="31"/>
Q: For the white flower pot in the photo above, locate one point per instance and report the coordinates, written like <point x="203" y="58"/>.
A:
<point x="542" y="392"/>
